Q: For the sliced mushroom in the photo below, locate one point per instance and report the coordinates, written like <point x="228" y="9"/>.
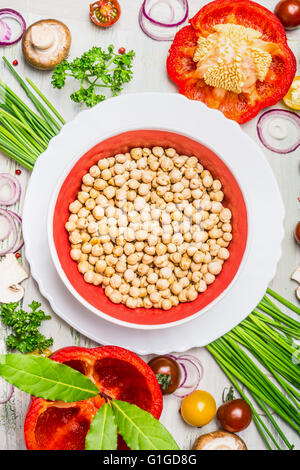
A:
<point x="46" y="44"/>
<point x="298" y="293"/>
<point x="296" y="275"/>
<point x="11" y="274"/>
<point x="219" y="440"/>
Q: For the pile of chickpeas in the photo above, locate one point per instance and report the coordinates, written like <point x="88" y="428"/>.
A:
<point x="149" y="226"/>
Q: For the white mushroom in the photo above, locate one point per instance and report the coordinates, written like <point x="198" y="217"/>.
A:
<point x="219" y="440"/>
<point x="296" y="275"/>
<point x="46" y="44"/>
<point x="298" y="292"/>
<point x="11" y="274"/>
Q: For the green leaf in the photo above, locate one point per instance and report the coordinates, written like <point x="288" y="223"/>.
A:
<point x="45" y="378"/>
<point x="103" y="434"/>
<point x="140" y="430"/>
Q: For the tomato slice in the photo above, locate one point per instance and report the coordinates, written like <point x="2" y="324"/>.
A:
<point x="105" y="13"/>
<point x="118" y="373"/>
<point x="239" y="105"/>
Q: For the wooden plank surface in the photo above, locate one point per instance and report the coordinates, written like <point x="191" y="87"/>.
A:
<point x="149" y="75"/>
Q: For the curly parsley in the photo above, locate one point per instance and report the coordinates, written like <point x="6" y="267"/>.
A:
<point x="95" y="69"/>
<point x="25" y="336"/>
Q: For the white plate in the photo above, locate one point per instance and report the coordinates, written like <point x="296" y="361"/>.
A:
<point x="240" y="153"/>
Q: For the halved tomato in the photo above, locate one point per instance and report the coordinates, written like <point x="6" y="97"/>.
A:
<point x="105" y="13"/>
<point x="234" y="57"/>
<point x="117" y="372"/>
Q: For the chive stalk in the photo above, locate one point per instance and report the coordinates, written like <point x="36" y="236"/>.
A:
<point x="25" y="134"/>
<point x="267" y="334"/>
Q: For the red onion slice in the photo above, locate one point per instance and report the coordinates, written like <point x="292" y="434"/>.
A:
<point x="13" y="230"/>
<point x="20" y="242"/>
<point x="11" y="392"/>
<point x="15" y="15"/>
<point x="15" y="187"/>
<point x="192" y="373"/>
<point x="279" y="130"/>
<point x="5" y="31"/>
<point x="158" y="2"/>
<point x="155" y="29"/>
<point x="185" y="8"/>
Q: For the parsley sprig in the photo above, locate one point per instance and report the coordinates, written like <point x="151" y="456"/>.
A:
<point x="95" y="69"/>
<point x="26" y="337"/>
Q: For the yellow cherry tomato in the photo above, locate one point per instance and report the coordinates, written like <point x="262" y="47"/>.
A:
<point x="292" y="98"/>
<point x="199" y="408"/>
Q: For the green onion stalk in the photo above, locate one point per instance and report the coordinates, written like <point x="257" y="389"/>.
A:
<point x="25" y="134"/>
<point x="267" y="336"/>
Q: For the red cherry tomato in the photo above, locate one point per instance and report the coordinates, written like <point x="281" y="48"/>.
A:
<point x="234" y="415"/>
<point x="288" y="11"/>
<point x="297" y="232"/>
<point x="105" y="13"/>
<point x="15" y="62"/>
<point x="167" y="372"/>
<point x="18" y="172"/>
<point x="122" y="50"/>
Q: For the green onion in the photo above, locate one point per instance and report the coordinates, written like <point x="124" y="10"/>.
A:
<point x="267" y="334"/>
<point x="25" y="134"/>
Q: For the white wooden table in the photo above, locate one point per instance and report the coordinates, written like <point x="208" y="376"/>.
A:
<point x="149" y="75"/>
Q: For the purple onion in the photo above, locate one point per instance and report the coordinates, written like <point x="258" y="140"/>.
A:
<point x="9" y="13"/>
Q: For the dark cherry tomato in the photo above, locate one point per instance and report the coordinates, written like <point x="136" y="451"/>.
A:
<point x="288" y="11"/>
<point x="18" y="172"/>
<point x="167" y="372"/>
<point x="122" y="50"/>
<point x="105" y="13"/>
<point x="297" y="232"/>
<point x="234" y="415"/>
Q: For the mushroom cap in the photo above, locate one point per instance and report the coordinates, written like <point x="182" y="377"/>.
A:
<point x="47" y="58"/>
<point x="219" y="440"/>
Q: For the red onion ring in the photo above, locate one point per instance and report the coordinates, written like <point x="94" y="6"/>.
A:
<point x="6" y="400"/>
<point x="289" y="116"/>
<point x="184" y="361"/>
<point x="144" y="16"/>
<point x="6" y="178"/>
<point x="20" y="242"/>
<point x="5" y="31"/>
<point x="10" y="219"/>
<point x="8" y="12"/>
<point x="160" y="23"/>
<point x="167" y="3"/>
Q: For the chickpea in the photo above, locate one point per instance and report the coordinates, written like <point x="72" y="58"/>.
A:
<point x="223" y="254"/>
<point x="75" y="254"/>
<point x="162" y="284"/>
<point x="88" y="180"/>
<point x="83" y="267"/>
<point x="215" y="268"/>
<point x="89" y="277"/>
<point x="166" y="304"/>
<point x="116" y="297"/>
<point x="75" y="206"/>
<point x="208" y="278"/>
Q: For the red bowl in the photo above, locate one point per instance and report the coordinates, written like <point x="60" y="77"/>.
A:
<point x="93" y="297"/>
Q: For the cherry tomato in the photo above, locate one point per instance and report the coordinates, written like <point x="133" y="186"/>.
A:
<point x="288" y="11"/>
<point x="234" y="415"/>
<point x="18" y="172"/>
<point x="15" y="62"/>
<point x="199" y="408"/>
<point x="122" y="50"/>
<point x="167" y="372"/>
<point x="297" y="232"/>
<point x="105" y="13"/>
